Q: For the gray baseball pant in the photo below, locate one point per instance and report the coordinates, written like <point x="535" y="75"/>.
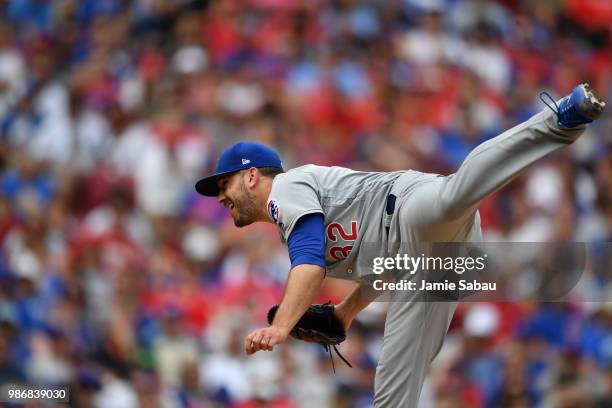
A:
<point x="444" y="209"/>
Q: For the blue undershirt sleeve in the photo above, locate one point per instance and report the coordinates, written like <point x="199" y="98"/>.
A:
<point x="307" y="241"/>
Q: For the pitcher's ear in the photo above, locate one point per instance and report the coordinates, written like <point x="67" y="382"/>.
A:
<point x="253" y="176"/>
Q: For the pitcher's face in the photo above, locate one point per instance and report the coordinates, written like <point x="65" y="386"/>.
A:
<point x="234" y="194"/>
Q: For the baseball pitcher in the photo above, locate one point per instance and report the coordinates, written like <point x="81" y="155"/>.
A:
<point x="325" y="216"/>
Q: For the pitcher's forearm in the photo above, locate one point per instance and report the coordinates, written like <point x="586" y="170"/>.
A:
<point x="357" y="300"/>
<point x="303" y="285"/>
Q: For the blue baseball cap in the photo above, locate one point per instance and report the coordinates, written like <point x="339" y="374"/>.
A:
<point x="239" y="156"/>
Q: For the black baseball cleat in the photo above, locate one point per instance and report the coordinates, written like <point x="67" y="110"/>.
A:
<point x="578" y="108"/>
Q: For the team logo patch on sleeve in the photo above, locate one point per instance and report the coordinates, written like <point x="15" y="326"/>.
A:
<point x="273" y="210"/>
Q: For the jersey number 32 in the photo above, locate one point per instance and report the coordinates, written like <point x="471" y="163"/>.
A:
<point x="336" y="231"/>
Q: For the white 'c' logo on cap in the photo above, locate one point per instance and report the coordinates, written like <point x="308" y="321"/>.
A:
<point x="245" y="161"/>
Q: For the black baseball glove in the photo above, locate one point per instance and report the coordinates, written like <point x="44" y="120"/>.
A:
<point x="320" y="325"/>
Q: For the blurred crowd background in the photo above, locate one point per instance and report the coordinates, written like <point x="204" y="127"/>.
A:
<point x="118" y="280"/>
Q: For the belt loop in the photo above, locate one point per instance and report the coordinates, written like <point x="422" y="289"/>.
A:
<point x="389" y="209"/>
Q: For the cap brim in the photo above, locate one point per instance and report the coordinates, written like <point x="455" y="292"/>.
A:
<point x="208" y="185"/>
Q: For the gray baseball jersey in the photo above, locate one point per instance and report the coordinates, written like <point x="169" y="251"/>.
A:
<point x="352" y="202"/>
